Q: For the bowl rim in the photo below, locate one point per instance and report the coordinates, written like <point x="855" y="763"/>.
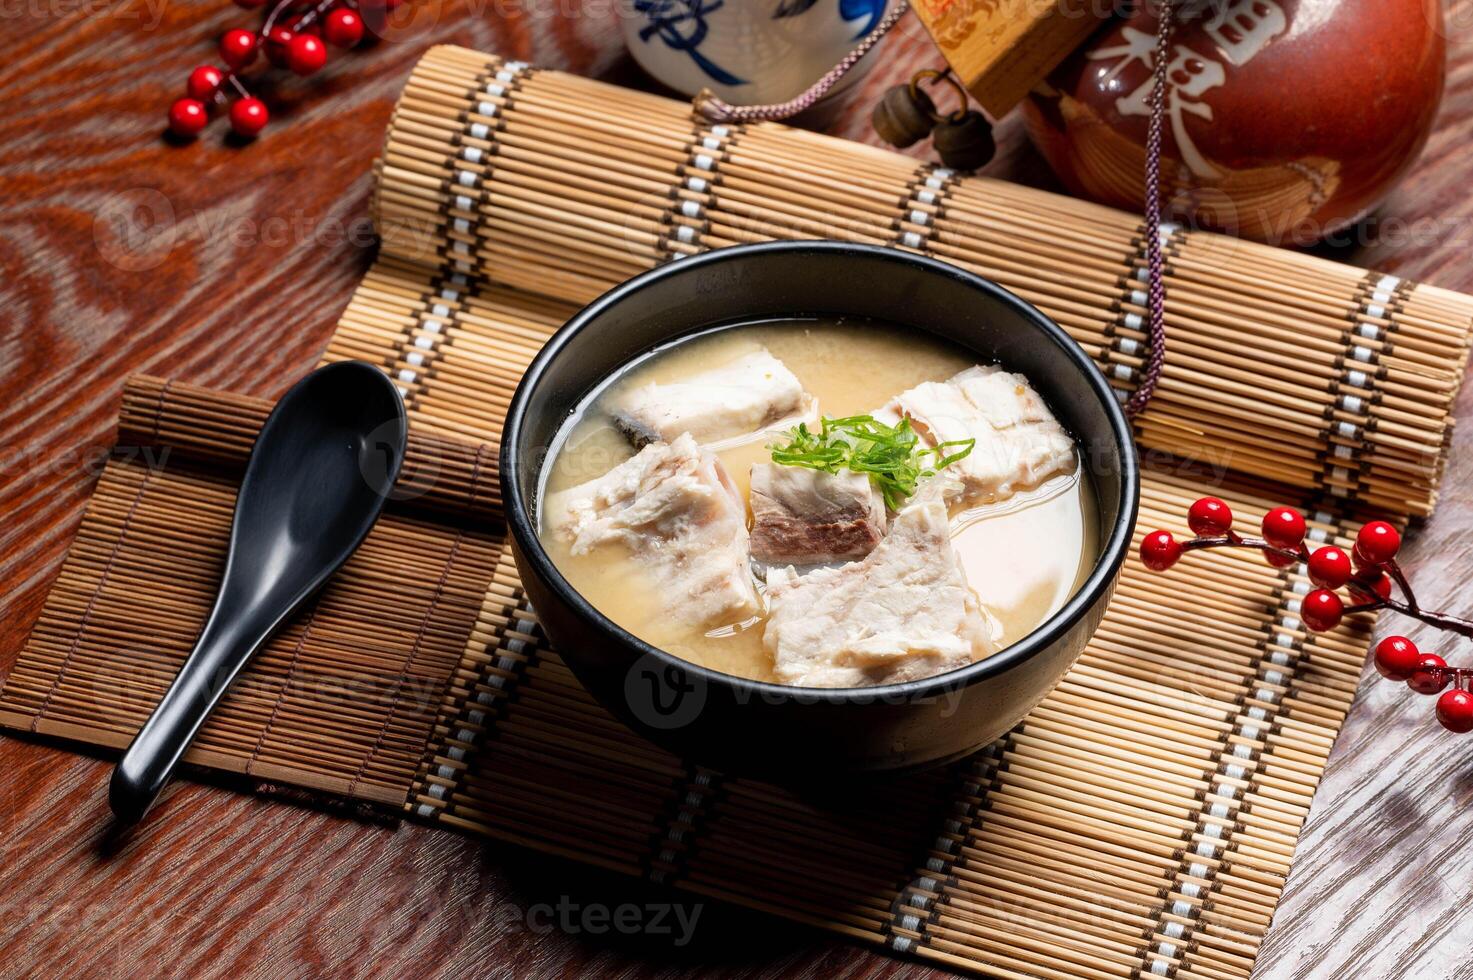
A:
<point x="1098" y="585"/>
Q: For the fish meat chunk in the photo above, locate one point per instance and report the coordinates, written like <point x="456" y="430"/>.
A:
<point x="1019" y="442"/>
<point x="904" y="612"/>
<point x="750" y="394"/>
<point x="675" y="510"/>
<point x="802" y="516"/>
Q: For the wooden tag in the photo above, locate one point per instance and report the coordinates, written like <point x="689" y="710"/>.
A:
<point x="1000" y="49"/>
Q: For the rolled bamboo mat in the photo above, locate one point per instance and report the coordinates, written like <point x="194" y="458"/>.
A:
<point x="1280" y="364"/>
<point x="1139" y="822"/>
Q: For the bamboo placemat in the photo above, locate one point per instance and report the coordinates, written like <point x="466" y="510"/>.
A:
<point x="1139" y="822"/>
<point x="341" y="701"/>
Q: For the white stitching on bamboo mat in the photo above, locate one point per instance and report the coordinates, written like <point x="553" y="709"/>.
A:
<point x="1283" y="652"/>
<point x="690" y="197"/>
<point x="913" y="904"/>
<point x="1135" y="295"/>
<point x="1345" y="440"/>
<point x="918" y="213"/>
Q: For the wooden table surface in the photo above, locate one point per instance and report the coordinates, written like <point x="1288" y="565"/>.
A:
<point x="228" y="265"/>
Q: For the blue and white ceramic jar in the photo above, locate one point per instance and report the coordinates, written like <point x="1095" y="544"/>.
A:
<point x="746" y="51"/>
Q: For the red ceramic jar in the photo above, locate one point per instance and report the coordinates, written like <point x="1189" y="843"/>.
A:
<point x="1288" y="119"/>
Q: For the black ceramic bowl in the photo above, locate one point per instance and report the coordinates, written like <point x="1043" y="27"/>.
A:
<point x="768" y="729"/>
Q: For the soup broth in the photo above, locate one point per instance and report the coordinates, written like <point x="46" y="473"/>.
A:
<point x="1023" y="556"/>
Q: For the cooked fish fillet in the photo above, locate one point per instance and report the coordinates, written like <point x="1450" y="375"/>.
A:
<point x="808" y="517"/>
<point x="903" y="612"/>
<point x="1019" y="442"/>
<point x="749" y="394"/>
<point x="674" y="508"/>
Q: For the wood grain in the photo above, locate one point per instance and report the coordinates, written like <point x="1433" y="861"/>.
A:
<point x="1001" y="51"/>
<point x="227" y="265"/>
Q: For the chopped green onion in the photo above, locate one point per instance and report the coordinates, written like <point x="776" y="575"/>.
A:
<point x="891" y="455"/>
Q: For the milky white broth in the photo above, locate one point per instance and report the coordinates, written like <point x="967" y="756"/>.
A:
<point x="1024" y="557"/>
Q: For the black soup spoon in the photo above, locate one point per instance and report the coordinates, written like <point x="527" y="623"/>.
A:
<point x="317" y="478"/>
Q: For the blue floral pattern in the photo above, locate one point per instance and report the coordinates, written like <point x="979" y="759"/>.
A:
<point x="682" y="25"/>
<point x="870" y="10"/>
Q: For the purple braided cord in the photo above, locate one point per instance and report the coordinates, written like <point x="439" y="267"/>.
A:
<point x="1156" y="309"/>
<point x="718" y="111"/>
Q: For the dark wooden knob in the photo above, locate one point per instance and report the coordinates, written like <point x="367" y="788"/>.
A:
<point x="904" y="116"/>
<point x="965" y="143"/>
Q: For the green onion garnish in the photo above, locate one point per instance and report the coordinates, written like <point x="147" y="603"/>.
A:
<point x="892" y="455"/>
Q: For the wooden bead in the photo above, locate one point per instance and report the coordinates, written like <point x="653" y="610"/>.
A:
<point x="965" y="143"/>
<point x="904" y="116"/>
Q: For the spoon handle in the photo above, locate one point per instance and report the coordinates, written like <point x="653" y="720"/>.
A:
<point x="224" y="646"/>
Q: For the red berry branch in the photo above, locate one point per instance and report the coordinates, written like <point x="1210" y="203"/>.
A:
<point x="294" y="35"/>
<point x="1367" y="574"/>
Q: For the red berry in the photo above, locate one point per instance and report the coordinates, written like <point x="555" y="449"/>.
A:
<point x="343" y="27"/>
<point x="1159" y="551"/>
<point x="238" y="48"/>
<point x="1396" y="658"/>
<point x="1277" y="560"/>
<point x="278" y="40"/>
<point x="1321" y="610"/>
<point x="1430" y="675"/>
<point x="248" y="116"/>
<point x="204" y="82"/>
<point x="1283" y="527"/>
<point x="187" y="117"/>
<point x="1455" y="711"/>
<point x="1329" y="568"/>
<point x="1376" y="588"/>
<point x="1377" y="543"/>
<point x="306" y="54"/>
<point x="1209" y="516"/>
